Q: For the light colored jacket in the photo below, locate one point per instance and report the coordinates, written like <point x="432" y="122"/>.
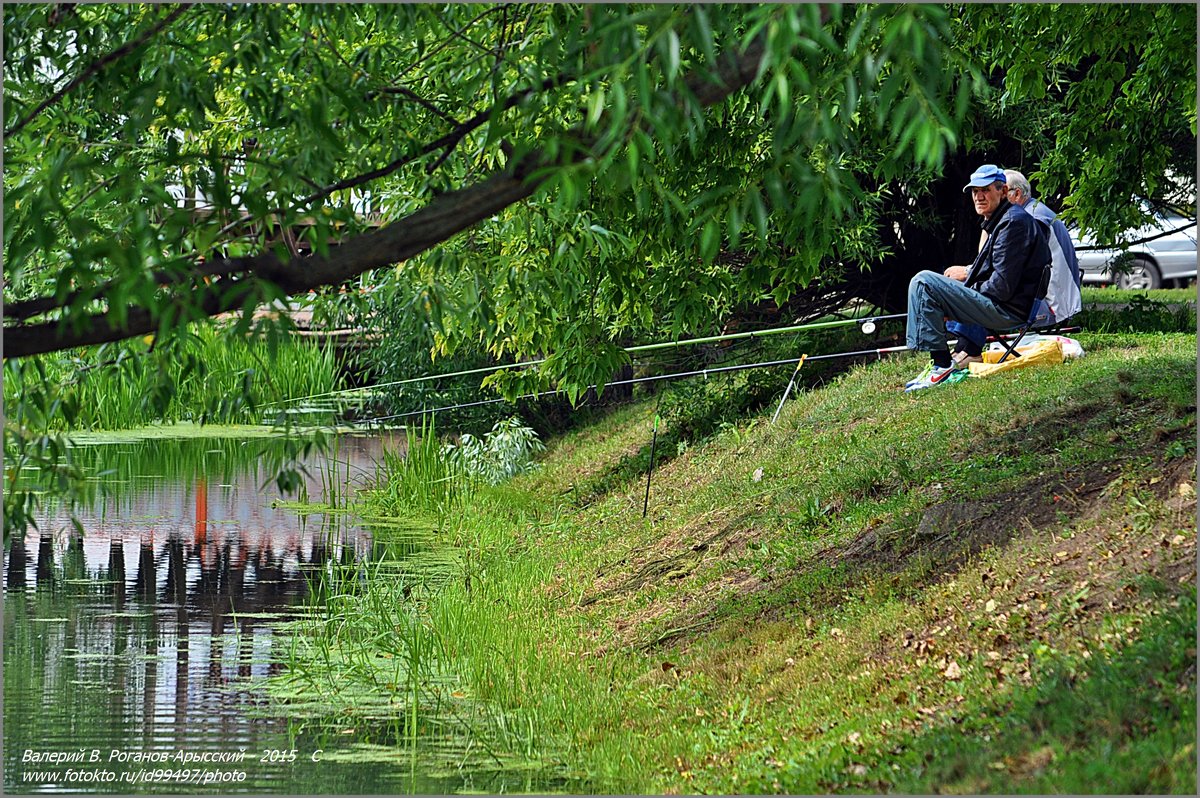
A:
<point x="1062" y="295"/>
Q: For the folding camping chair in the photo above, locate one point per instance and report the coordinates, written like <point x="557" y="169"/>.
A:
<point x="1039" y="316"/>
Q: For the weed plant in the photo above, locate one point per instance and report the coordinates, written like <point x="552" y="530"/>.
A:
<point x="435" y="479"/>
<point x="507" y="450"/>
<point x="204" y="375"/>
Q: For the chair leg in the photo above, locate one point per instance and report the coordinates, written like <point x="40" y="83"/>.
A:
<point x="1011" y="348"/>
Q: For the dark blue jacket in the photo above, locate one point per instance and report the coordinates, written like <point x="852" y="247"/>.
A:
<point x="1009" y="268"/>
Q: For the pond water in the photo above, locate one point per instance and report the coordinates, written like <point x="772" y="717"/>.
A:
<point x="135" y="654"/>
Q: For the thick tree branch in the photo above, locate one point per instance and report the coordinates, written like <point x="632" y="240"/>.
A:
<point x="29" y="308"/>
<point x="96" y="66"/>
<point x="443" y="218"/>
<point x="1135" y="242"/>
<point x="405" y="238"/>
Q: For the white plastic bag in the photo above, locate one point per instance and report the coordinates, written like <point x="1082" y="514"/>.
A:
<point x="1070" y="347"/>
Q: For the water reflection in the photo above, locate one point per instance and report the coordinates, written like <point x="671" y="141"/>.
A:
<point x="151" y="631"/>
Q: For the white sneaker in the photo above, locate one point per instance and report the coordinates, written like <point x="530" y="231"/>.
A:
<point x="919" y="377"/>
<point x="935" y="376"/>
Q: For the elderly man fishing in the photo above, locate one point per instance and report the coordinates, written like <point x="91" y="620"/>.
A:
<point x="999" y="288"/>
<point x="1062" y="292"/>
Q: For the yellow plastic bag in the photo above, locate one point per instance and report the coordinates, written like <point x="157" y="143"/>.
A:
<point x="1047" y="353"/>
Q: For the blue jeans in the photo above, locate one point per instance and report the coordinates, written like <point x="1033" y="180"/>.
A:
<point x="933" y="297"/>
<point x="975" y="333"/>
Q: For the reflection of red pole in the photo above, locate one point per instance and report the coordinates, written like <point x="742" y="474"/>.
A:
<point x="201" y="510"/>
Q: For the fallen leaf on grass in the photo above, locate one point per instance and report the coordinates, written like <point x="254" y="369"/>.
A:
<point x="953" y="672"/>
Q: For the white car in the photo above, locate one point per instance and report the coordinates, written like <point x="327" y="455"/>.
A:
<point x="1169" y="258"/>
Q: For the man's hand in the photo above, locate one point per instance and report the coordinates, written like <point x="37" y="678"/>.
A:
<point x="957" y="273"/>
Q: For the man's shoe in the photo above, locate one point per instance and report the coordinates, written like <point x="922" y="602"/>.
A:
<point x="962" y="360"/>
<point x="923" y="375"/>
<point x="935" y="376"/>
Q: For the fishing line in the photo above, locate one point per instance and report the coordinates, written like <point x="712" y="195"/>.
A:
<point x="879" y="352"/>
<point x="867" y="323"/>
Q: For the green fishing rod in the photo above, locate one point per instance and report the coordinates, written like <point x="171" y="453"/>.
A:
<point x="866" y="322"/>
<point x="793" y="361"/>
<point x="652" y="378"/>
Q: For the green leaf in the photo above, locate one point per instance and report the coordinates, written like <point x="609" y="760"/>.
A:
<point x="710" y="238"/>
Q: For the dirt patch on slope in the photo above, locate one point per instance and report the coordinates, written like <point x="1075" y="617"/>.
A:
<point x="949" y="533"/>
<point x="674" y="556"/>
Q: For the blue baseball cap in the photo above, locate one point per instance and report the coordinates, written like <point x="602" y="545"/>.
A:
<point x="985" y="176"/>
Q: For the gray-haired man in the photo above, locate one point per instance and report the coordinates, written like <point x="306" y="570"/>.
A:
<point x="999" y="289"/>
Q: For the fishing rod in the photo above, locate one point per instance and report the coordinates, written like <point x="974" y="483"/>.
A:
<point x="879" y="352"/>
<point x="867" y="323"/>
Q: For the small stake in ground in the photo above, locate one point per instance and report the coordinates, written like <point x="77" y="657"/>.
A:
<point x="788" y="390"/>
<point x="650" y="471"/>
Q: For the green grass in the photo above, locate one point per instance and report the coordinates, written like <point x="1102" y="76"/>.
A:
<point x="1119" y="296"/>
<point x="764" y="627"/>
<point x="1122" y="723"/>
<point x="206" y="376"/>
<point x="1136" y="312"/>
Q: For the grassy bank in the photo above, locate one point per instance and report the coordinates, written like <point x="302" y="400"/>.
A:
<point x="1114" y="311"/>
<point x="987" y="587"/>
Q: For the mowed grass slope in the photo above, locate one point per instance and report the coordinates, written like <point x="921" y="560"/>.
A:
<point x="988" y="587"/>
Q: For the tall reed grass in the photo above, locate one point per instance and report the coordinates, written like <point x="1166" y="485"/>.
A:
<point x="441" y="653"/>
<point x="415" y="636"/>
<point x="422" y="481"/>
<point x="206" y="375"/>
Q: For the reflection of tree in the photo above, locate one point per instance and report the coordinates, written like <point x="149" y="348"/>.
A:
<point x="178" y="585"/>
<point x="144" y="580"/>
<point x="74" y="562"/>
<point x="18" y="562"/>
<point x="45" y="560"/>
<point x="116" y="571"/>
<point x="211" y="574"/>
<point x="182" y="657"/>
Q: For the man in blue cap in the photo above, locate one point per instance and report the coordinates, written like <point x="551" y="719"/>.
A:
<point x="1000" y="286"/>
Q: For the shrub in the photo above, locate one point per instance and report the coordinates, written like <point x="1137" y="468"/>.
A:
<point x="501" y="454"/>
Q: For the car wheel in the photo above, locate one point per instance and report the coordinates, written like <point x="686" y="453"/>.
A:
<point x="1142" y="275"/>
